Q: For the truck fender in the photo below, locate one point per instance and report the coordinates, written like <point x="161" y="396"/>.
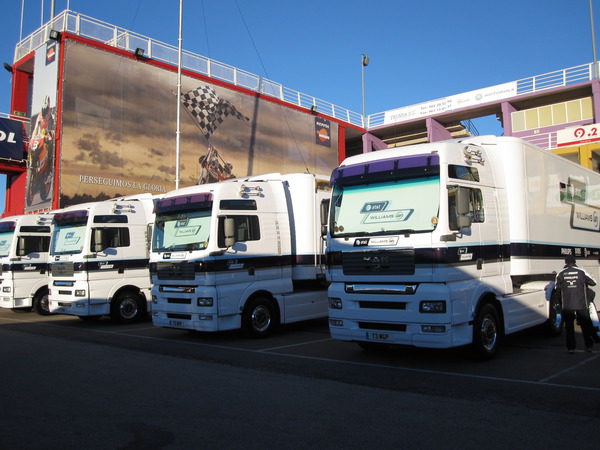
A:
<point x="129" y="288"/>
<point x="259" y="293"/>
<point x="489" y="298"/>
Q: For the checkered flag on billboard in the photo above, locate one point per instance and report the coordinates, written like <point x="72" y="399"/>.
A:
<point x="208" y="109"/>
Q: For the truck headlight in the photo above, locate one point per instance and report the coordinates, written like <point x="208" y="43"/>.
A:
<point x="6" y="289"/>
<point x="205" y="301"/>
<point x="432" y="306"/>
<point x="335" y="303"/>
<point x="79" y="292"/>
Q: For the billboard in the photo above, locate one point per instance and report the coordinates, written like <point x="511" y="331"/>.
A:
<point x="119" y="130"/>
<point x="11" y="139"/>
<point x="42" y="140"/>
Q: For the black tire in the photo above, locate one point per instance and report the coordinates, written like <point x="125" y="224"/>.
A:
<point x="554" y="325"/>
<point x="260" y="317"/>
<point x="41" y="305"/>
<point x="126" y="308"/>
<point x="486" y="332"/>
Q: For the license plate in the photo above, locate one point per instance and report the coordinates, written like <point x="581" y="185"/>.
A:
<point x="374" y="336"/>
<point x="175" y="323"/>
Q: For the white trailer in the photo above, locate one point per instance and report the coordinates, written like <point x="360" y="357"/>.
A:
<point x="24" y="242"/>
<point x="99" y="256"/>
<point x="453" y="243"/>
<point x="243" y="253"/>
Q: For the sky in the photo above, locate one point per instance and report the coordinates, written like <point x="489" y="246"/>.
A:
<point x="418" y="50"/>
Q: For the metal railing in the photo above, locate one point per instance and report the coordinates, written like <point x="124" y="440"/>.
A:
<point x="121" y="38"/>
<point x="544" y="141"/>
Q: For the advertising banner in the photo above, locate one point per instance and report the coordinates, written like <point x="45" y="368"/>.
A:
<point x="40" y="158"/>
<point x="119" y="130"/>
<point x="583" y="134"/>
<point x="11" y="139"/>
<point x="453" y="102"/>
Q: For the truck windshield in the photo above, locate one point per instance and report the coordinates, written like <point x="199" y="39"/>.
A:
<point x="5" y="241"/>
<point x="387" y="207"/>
<point x="67" y="239"/>
<point x="187" y="230"/>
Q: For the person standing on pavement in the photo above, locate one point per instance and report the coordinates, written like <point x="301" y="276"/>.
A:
<point x="572" y="282"/>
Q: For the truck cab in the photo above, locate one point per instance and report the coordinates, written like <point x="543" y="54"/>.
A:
<point x="24" y="244"/>
<point x="99" y="259"/>
<point x="242" y="253"/>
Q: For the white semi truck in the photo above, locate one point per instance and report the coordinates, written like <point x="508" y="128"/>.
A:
<point x="99" y="256"/>
<point x="453" y="243"/>
<point x="244" y="253"/>
<point x="24" y="242"/>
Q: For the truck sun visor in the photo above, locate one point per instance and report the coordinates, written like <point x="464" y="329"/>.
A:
<point x="7" y="227"/>
<point x="421" y="165"/>
<point x="71" y="218"/>
<point x="183" y="203"/>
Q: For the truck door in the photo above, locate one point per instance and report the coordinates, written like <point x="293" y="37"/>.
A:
<point x="107" y="269"/>
<point x="466" y="213"/>
<point x="30" y="272"/>
<point x="249" y="258"/>
<point x="490" y="259"/>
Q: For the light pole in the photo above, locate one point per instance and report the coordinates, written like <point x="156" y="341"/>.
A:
<point x="178" y="131"/>
<point x="365" y="63"/>
<point x="595" y="72"/>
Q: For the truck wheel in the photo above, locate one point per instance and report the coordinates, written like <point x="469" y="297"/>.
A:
<point x="41" y="304"/>
<point x="486" y="334"/>
<point x="259" y="318"/>
<point x="555" y="321"/>
<point x="126" y="308"/>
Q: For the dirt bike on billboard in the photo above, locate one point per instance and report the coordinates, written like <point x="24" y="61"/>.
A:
<point x="40" y="155"/>
<point x="40" y="181"/>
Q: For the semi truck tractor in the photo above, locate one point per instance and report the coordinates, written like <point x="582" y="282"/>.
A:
<point x="99" y="255"/>
<point x="24" y="243"/>
<point x="240" y="254"/>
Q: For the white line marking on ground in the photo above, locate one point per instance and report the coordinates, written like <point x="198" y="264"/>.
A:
<point x="568" y="369"/>
<point x="294" y="345"/>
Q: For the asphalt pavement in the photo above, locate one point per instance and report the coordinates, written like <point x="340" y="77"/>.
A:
<point x="68" y="384"/>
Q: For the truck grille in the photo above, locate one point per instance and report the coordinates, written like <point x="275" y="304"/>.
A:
<point x="64" y="269"/>
<point x="396" y="262"/>
<point x="175" y="271"/>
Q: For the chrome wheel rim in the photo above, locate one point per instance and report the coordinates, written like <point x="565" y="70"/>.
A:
<point x="489" y="333"/>
<point x="128" y="308"/>
<point x="261" y="318"/>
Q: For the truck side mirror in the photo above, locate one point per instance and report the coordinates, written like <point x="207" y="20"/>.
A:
<point x="229" y="231"/>
<point x="463" y="201"/>
<point x="21" y="251"/>
<point x="324" y="215"/>
<point x="97" y="244"/>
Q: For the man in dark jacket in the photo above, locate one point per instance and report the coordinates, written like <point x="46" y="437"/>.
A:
<point x="571" y="282"/>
